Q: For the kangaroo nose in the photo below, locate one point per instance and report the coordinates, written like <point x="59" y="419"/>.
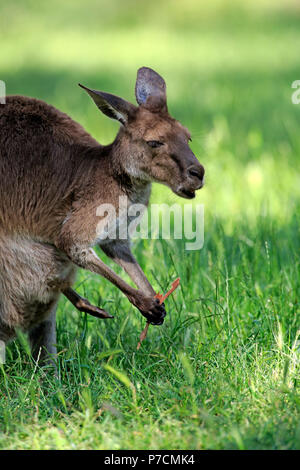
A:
<point x="197" y="172"/>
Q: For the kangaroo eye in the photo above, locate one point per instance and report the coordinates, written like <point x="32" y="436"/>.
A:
<point x="154" y="143"/>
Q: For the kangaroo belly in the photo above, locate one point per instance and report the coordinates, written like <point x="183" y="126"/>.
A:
<point x="32" y="275"/>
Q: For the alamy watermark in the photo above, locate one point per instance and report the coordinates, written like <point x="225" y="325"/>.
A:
<point x="181" y="222"/>
<point x="2" y="92"/>
<point x="2" y="352"/>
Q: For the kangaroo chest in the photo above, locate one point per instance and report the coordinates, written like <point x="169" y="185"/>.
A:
<point x="119" y="222"/>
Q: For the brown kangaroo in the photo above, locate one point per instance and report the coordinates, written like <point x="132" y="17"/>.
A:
<point x="54" y="175"/>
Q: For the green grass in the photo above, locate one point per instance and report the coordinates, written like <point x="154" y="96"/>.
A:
<point x="223" y="370"/>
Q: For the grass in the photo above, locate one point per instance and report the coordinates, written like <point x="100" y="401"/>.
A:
<point x="223" y="370"/>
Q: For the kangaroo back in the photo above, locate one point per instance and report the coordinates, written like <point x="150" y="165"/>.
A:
<point x="42" y="156"/>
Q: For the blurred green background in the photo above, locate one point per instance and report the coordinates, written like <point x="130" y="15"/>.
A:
<point x="223" y="371"/>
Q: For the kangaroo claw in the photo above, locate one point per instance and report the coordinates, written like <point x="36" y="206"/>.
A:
<point x="85" y="306"/>
<point x="97" y="312"/>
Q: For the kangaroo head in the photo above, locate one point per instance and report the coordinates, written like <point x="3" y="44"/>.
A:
<point x="152" y="145"/>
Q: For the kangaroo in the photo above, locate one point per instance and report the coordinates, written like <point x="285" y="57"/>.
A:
<point x="54" y="175"/>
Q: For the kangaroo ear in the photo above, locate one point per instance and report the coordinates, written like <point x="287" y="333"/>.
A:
<point x="111" y="105"/>
<point x="150" y="90"/>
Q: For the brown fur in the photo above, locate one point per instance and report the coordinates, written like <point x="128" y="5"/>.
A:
<point x="54" y="175"/>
